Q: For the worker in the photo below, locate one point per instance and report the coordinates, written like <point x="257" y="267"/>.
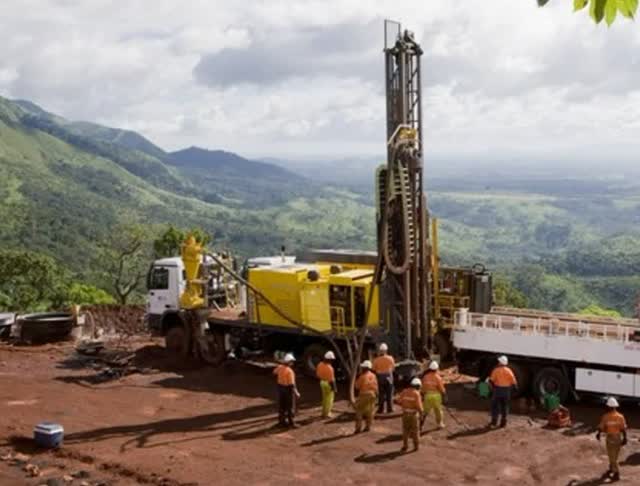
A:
<point x="327" y="377"/>
<point x="367" y="388"/>
<point x="410" y="401"/>
<point x="383" y="366"/>
<point x="502" y="381"/>
<point x="434" y="392"/>
<point x="614" y="426"/>
<point x="287" y="391"/>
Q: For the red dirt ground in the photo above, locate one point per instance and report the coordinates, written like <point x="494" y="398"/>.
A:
<point x="214" y="426"/>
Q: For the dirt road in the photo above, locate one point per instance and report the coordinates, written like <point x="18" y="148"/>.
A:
<point x="215" y="426"/>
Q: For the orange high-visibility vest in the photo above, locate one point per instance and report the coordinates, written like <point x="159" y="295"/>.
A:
<point x="285" y="374"/>
<point x="367" y="383"/>
<point x="410" y="400"/>
<point x="384" y="364"/>
<point x="432" y="382"/>
<point x="324" y="372"/>
<point x="612" y="423"/>
<point x="502" y="376"/>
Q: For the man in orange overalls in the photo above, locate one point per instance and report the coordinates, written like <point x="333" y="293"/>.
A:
<point x="434" y="391"/>
<point x="502" y="381"/>
<point x="614" y="426"/>
<point x="411" y="402"/>
<point x="367" y="387"/>
<point x="383" y="366"/>
<point x="287" y="389"/>
<point x="327" y="377"/>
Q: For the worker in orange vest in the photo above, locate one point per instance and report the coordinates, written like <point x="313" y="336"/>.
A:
<point x="327" y="377"/>
<point x="614" y="426"/>
<point x="384" y="366"/>
<point x="287" y="391"/>
<point x="411" y="402"/>
<point x="502" y="381"/>
<point x="367" y="388"/>
<point x="434" y="391"/>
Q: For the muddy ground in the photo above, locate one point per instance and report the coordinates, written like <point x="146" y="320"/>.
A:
<point x="188" y="425"/>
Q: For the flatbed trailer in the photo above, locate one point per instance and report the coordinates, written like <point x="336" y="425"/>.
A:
<point x="547" y="353"/>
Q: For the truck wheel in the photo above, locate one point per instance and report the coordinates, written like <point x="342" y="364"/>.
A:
<point x="312" y="355"/>
<point x="443" y="346"/>
<point x="550" y="378"/>
<point x="523" y="376"/>
<point x="177" y="342"/>
<point x="212" y="349"/>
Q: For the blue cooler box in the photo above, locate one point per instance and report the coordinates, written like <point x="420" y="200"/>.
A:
<point x="48" y="434"/>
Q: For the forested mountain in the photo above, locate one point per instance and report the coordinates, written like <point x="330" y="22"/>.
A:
<point x="66" y="189"/>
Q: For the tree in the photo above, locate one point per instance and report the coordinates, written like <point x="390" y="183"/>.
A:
<point x="31" y="281"/>
<point x="124" y="258"/>
<point x="83" y="294"/>
<point x="604" y="9"/>
<point x="504" y="294"/>
<point x="169" y="242"/>
<point x="596" y="310"/>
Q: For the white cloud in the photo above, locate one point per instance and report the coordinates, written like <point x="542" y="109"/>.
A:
<point x="293" y="78"/>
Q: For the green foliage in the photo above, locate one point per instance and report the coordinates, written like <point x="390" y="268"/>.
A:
<point x="169" y="242"/>
<point x="82" y="294"/>
<point x="123" y="260"/>
<point x="506" y="295"/>
<point x="596" y="310"/>
<point x="30" y="281"/>
<point x="604" y="9"/>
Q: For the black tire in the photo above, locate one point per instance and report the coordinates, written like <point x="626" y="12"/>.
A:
<point x="213" y="351"/>
<point x="523" y="375"/>
<point x="545" y="377"/>
<point x="45" y="327"/>
<point x="442" y="343"/>
<point x="312" y="355"/>
<point x="176" y="341"/>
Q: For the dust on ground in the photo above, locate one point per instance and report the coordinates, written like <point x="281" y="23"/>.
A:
<point x="178" y="424"/>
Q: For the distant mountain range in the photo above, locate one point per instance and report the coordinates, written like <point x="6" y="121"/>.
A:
<point x="64" y="184"/>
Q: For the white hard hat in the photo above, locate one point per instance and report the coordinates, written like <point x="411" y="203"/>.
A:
<point x="433" y="366"/>
<point x="366" y="364"/>
<point x="416" y="382"/>
<point x="503" y="360"/>
<point x="289" y="358"/>
<point x="329" y="355"/>
<point x="383" y="347"/>
<point x="612" y="402"/>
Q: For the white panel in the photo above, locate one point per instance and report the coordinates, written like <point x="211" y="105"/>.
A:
<point x="589" y="380"/>
<point x="609" y="382"/>
<point x="636" y="386"/>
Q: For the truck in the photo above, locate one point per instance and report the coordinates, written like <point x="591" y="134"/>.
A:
<point x="326" y="290"/>
<point x="567" y="354"/>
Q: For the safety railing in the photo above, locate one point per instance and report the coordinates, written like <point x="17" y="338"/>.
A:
<point x="547" y="327"/>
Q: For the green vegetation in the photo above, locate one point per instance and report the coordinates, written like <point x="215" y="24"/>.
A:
<point x="604" y="9"/>
<point x="91" y="206"/>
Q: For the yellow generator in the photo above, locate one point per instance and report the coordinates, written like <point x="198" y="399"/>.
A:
<point x="325" y="297"/>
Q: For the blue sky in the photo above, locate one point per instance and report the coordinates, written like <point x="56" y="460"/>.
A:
<point x="503" y="78"/>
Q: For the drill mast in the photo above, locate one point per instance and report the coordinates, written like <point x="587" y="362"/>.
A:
<point x="402" y="215"/>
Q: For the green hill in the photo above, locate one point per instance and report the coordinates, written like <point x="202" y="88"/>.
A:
<point x="65" y="187"/>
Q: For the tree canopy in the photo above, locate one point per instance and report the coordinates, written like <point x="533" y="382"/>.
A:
<point x="604" y="9"/>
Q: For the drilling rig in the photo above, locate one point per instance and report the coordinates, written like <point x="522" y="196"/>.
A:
<point x="403" y="265"/>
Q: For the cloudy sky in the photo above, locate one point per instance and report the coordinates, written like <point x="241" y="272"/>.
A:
<point x="304" y="78"/>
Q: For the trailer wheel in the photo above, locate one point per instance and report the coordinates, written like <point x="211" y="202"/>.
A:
<point x="176" y="341"/>
<point x="550" y="378"/>
<point x="313" y="354"/>
<point x="212" y="349"/>
<point x="523" y="376"/>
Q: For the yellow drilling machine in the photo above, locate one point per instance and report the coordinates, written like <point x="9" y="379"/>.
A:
<point x="341" y="299"/>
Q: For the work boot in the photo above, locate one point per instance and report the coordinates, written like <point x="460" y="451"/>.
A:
<point x="404" y="448"/>
<point x="607" y="473"/>
<point x="441" y="425"/>
<point x="503" y="424"/>
<point x="367" y="428"/>
<point x="615" y="476"/>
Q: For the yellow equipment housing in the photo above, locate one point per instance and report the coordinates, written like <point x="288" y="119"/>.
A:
<point x="311" y="294"/>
